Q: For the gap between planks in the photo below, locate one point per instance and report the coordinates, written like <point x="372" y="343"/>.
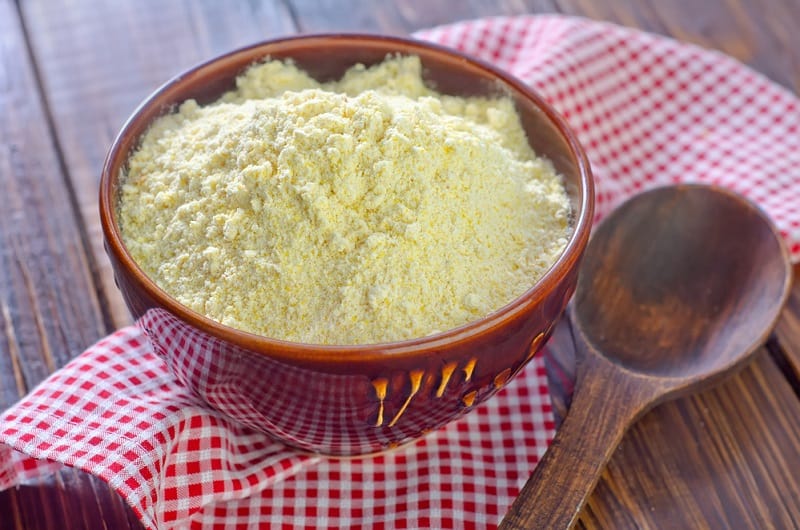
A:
<point x="100" y="296"/>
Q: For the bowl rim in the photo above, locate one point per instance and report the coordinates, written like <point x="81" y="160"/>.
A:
<point x="294" y="352"/>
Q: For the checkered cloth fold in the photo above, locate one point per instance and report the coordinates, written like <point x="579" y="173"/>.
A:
<point x="648" y="110"/>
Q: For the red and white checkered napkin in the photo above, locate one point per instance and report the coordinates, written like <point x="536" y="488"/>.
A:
<point x="648" y="110"/>
<point x="116" y="412"/>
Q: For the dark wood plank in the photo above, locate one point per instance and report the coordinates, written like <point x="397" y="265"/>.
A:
<point x="786" y="349"/>
<point x="69" y="500"/>
<point x="99" y="59"/>
<point x="402" y="16"/>
<point x="633" y="13"/>
<point x="49" y="311"/>
<point x="726" y="458"/>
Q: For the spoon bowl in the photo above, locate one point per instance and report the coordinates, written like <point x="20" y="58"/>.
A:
<point x="694" y="275"/>
<point x="679" y="286"/>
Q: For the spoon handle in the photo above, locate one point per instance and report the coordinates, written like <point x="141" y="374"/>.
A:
<point x="603" y="406"/>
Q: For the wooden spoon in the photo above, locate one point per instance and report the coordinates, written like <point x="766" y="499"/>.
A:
<point x="678" y="287"/>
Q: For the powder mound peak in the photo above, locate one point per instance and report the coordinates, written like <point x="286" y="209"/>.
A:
<point x="366" y="210"/>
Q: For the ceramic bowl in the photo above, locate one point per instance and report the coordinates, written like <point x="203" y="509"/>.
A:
<point x="351" y="400"/>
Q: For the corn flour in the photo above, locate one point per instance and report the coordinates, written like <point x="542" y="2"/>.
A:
<point x="366" y="210"/>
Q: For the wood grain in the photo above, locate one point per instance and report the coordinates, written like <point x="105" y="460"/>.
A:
<point x="402" y="16"/>
<point x="742" y="437"/>
<point x="759" y="406"/>
<point x="49" y="310"/>
<point x="786" y="348"/>
<point x="93" y="61"/>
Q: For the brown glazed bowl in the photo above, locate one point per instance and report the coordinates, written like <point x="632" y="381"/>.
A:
<point x="350" y="400"/>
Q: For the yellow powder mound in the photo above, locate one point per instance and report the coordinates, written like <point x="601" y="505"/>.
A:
<point x="367" y="210"/>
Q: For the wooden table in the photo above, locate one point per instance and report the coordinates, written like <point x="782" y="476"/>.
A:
<point x="71" y="72"/>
